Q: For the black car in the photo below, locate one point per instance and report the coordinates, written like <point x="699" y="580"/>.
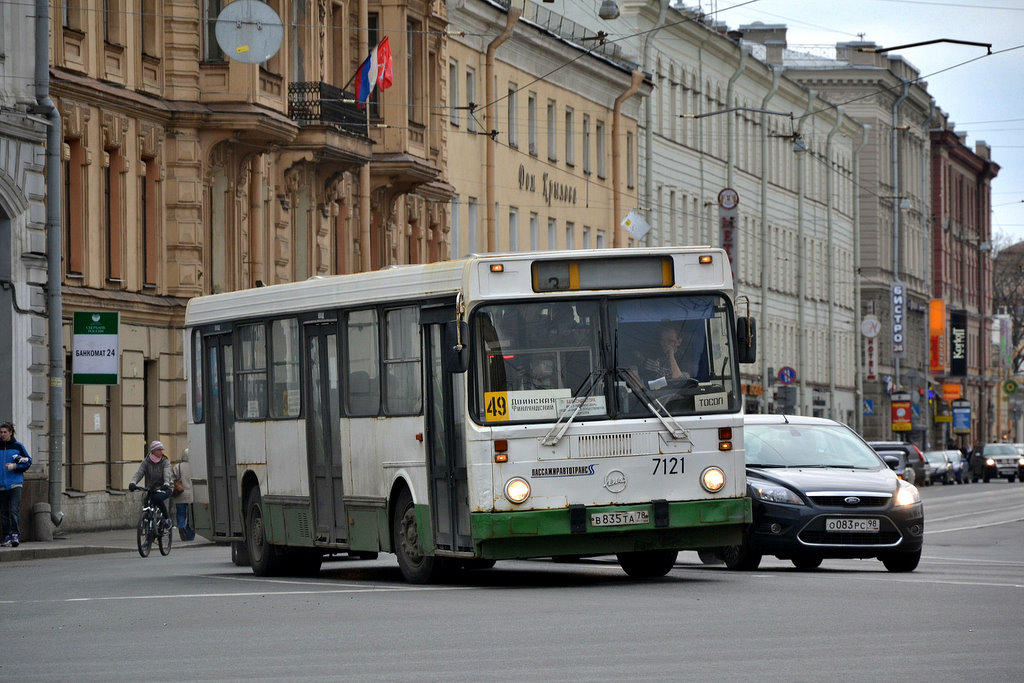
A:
<point x="911" y="456"/>
<point x="819" y="491"/>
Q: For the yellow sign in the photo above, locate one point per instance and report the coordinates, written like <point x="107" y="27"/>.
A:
<point x="951" y="392"/>
<point x="496" y="406"/>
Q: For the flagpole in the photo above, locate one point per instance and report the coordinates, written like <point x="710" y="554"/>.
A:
<point x="364" y="171"/>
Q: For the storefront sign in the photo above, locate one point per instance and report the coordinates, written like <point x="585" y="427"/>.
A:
<point x="958" y="343"/>
<point x="937" y="336"/>
<point x="899" y="330"/>
<point x="901" y="412"/>
<point x="97" y="356"/>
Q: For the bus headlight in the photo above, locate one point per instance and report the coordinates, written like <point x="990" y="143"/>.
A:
<point x="712" y="479"/>
<point x="517" y="490"/>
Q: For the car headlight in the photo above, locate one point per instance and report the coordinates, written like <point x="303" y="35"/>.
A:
<point x="712" y="479"/>
<point x="1020" y="461"/>
<point x="991" y="462"/>
<point x="772" y="493"/>
<point x="517" y="490"/>
<point x="907" y="494"/>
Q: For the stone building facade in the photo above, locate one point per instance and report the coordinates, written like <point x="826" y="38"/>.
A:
<point x="189" y="172"/>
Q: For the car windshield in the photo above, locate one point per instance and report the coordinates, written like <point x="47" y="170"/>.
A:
<point x="1000" y="449"/>
<point x="802" y="445"/>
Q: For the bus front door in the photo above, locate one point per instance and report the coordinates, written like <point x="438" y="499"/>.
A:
<point x="219" y="369"/>
<point x="446" y="451"/>
<point x="323" y="440"/>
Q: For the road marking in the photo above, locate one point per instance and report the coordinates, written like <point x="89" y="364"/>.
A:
<point x="975" y="526"/>
<point x="244" y="594"/>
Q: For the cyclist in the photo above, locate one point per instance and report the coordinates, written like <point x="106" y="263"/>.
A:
<point x="156" y="468"/>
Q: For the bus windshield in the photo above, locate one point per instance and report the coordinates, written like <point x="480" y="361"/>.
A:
<point x="617" y="357"/>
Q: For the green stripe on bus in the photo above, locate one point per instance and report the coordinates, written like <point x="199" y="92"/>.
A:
<point x="539" y="533"/>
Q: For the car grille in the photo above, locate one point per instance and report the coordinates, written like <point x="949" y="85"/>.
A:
<point x="814" y="534"/>
<point x="840" y="501"/>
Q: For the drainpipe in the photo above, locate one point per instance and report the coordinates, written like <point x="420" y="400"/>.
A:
<point x="637" y="80"/>
<point x="256" y="220"/>
<point x="830" y="268"/>
<point x="730" y="141"/>
<point x="857" y="317"/>
<point x="801" y="280"/>
<point x="929" y="285"/>
<point x="510" y="21"/>
<point x="776" y="76"/>
<point x="53" y="259"/>
<point x="896" y="206"/>
<point x="649" y="124"/>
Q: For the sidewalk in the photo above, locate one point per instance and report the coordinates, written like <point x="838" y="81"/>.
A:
<point x="76" y="543"/>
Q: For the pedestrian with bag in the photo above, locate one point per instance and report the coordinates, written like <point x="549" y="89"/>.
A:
<point x="183" y="496"/>
<point x="14" y="460"/>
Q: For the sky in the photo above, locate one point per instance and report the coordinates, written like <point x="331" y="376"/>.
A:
<point x="982" y="94"/>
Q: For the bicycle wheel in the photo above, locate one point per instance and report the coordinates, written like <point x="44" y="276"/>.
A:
<point x="164" y="530"/>
<point x="142" y="533"/>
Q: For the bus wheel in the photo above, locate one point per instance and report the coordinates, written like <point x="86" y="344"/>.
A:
<point x="647" y="564"/>
<point x="304" y="562"/>
<point x="416" y="567"/>
<point x="263" y="557"/>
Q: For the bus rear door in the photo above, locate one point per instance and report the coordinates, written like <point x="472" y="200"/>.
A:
<point x="218" y="372"/>
<point x="323" y="441"/>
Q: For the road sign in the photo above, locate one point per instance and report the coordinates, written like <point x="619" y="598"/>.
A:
<point x="787" y="375"/>
<point x="869" y="406"/>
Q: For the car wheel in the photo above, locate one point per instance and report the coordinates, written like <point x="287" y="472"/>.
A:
<point x="806" y="561"/>
<point x="901" y="562"/>
<point x="985" y="479"/>
<point x="740" y="557"/>
<point x="1011" y="478"/>
<point x="709" y="556"/>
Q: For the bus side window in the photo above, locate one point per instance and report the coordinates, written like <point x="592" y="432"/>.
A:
<point x="361" y="400"/>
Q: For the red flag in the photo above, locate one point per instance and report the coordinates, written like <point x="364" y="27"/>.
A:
<point x="384" y="73"/>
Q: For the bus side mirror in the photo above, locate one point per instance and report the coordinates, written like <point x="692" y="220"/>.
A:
<point x="746" y="340"/>
<point x="455" y="347"/>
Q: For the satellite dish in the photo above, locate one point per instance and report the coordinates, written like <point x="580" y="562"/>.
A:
<point x="249" y="31"/>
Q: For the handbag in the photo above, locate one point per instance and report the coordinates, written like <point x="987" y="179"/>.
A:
<point x="179" y="487"/>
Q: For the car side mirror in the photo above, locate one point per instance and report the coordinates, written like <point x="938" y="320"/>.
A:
<point x="892" y="461"/>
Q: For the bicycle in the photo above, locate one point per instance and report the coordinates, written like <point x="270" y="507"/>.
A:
<point x="153" y="525"/>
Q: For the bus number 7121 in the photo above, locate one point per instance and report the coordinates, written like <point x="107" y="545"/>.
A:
<point x="667" y="465"/>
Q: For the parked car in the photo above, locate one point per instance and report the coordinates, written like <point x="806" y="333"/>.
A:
<point x="910" y="454"/>
<point x="995" y="461"/>
<point x="819" y="491"/>
<point x="1020" y="469"/>
<point x="940" y="467"/>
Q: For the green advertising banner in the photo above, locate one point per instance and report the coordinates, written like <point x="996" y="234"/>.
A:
<point x="96" y="348"/>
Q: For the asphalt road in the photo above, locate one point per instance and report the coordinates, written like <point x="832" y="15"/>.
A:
<point x="195" y="616"/>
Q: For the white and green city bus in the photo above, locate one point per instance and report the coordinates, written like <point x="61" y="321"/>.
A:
<point x="458" y="413"/>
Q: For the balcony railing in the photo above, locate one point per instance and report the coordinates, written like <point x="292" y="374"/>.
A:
<point x="312" y="103"/>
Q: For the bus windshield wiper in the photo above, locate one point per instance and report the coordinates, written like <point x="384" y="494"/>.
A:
<point x="573" y="407"/>
<point x="653" y="405"/>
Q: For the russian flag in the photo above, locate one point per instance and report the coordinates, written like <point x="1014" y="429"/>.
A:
<point x="366" y="78"/>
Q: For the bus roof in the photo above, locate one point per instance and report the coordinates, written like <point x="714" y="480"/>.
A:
<point x="394" y="283"/>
